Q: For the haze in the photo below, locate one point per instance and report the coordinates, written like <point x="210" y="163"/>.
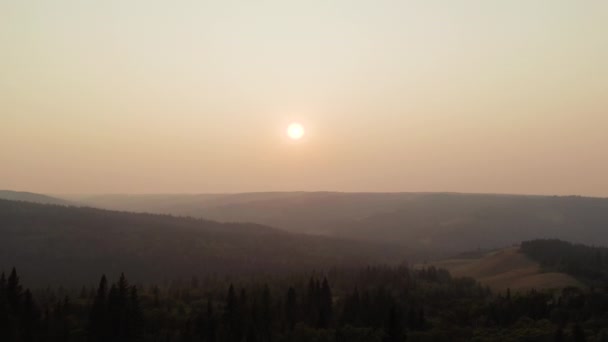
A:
<point x="159" y="96"/>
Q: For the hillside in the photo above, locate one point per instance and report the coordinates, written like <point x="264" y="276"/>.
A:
<point x="31" y="197"/>
<point x="507" y="268"/>
<point x="588" y="263"/>
<point x="61" y="244"/>
<point x="433" y="223"/>
<point x="452" y="223"/>
<point x="303" y="212"/>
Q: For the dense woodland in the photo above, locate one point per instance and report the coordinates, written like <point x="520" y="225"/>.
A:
<point x="383" y="304"/>
<point x="587" y="263"/>
<point x="54" y="244"/>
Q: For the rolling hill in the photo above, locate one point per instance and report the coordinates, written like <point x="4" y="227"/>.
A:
<point x="431" y="223"/>
<point x="61" y="244"/>
<point x="587" y="263"/>
<point x="507" y="268"/>
<point x="302" y="212"/>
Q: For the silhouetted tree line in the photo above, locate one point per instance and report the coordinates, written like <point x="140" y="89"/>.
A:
<point x="587" y="263"/>
<point x="19" y="316"/>
<point x="115" y="314"/>
<point x="382" y="304"/>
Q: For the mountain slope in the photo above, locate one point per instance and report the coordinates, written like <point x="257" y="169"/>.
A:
<point x="507" y="268"/>
<point x="66" y="244"/>
<point x="434" y="223"/>
<point x="452" y="223"/>
<point x="302" y="212"/>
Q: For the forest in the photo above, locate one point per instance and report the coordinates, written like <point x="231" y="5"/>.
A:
<point x="67" y="245"/>
<point x="588" y="263"/>
<point x="379" y="303"/>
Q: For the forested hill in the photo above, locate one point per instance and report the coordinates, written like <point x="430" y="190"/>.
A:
<point x="587" y="263"/>
<point x="440" y="224"/>
<point x="60" y="244"/>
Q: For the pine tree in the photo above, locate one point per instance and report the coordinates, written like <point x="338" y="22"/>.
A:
<point x="98" y="321"/>
<point x="265" y="321"/>
<point x="254" y="321"/>
<point x="30" y="317"/>
<point x="325" y="305"/>
<point x="4" y="319"/>
<point x="394" y="329"/>
<point x="310" y="303"/>
<point x="242" y="314"/>
<point x="123" y="290"/>
<point x="135" y="314"/>
<point x="62" y="310"/>
<point x="232" y="317"/>
<point x="13" y="292"/>
<point x="114" y="312"/>
<point x="122" y="311"/>
<point x="291" y="309"/>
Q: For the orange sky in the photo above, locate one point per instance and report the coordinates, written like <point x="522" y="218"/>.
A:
<point x="159" y="96"/>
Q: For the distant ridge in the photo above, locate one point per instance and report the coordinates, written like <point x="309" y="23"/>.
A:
<point x="64" y="244"/>
<point x="434" y="223"/>
<point x="31" y="197"/>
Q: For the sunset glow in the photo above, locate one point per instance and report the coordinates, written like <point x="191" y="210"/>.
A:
<point x="295" y="131"/>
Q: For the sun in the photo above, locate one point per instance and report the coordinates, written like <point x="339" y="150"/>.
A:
<point x="295" y="131"/>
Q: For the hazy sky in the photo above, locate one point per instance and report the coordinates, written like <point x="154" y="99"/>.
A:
<point x="146" y="96"/>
